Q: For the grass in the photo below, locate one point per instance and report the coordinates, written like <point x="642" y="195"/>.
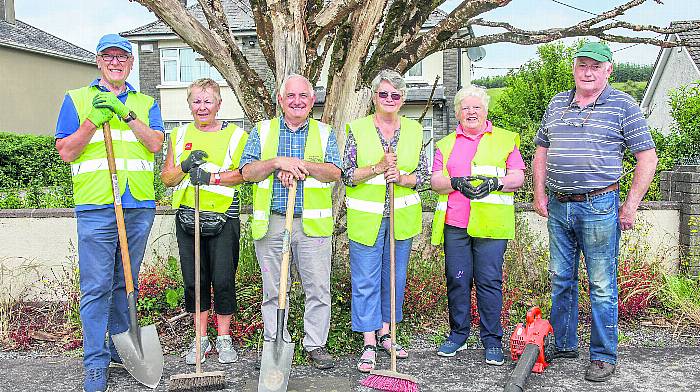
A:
<point x="495" y="94"/>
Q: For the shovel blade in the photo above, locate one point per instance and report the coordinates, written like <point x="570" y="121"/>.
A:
<point x="275" y="365"/>
<point x="141" y="354"/>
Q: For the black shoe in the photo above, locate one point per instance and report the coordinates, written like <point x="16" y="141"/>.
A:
<point x="321" y="359"/>
<point x="556" y="353"/>
<point x="599" y="371"/>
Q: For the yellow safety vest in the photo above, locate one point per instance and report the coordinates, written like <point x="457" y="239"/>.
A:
<point x="317" y="216"/>
<point x="494" y="215"/>
<point x="224" y="149"/>
<point x="365" y="201"/>
<point x="91" y="180"/>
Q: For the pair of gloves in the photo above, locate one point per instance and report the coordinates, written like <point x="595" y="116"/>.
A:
<point x="191" y="165"/>
<point x="465" y="187"/>
<point x="104" y="106"/>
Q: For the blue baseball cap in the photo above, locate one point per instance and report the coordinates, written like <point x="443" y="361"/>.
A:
<point x="113" y="41"/>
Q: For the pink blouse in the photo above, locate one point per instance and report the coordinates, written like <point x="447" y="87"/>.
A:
<point x="459" y="165"/>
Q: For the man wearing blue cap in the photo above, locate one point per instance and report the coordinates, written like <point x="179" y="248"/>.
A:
<point x="137" y="133"/>
<point x="577" y="169"/>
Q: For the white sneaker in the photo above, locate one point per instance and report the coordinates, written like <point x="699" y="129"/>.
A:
<point x="224" y="346"/>
<point x="191" y="354"/>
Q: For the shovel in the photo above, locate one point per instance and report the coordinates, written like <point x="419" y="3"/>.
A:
<point x="276" y="362"/>
<point x="139" y="348"/>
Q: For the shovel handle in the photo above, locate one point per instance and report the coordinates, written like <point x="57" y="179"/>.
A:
<point x="286" y="246"/>
<point x="118" y="211"/>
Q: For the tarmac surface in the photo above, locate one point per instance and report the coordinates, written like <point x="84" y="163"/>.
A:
<point x="669" y="369"/>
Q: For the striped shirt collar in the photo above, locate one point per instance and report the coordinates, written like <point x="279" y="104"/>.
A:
<point x="602" y="98"/>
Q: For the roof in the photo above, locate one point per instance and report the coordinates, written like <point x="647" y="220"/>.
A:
<point x="240" y="19"/>
<point x="692" y="36"/>
<point x="238" y="13"/>
<point x="22" y="36"/>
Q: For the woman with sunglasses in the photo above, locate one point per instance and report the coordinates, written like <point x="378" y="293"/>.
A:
<point x="380" y="149"/>
<point x="476" y="169"/>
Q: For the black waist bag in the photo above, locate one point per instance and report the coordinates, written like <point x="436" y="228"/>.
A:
<point x="211" y="223"/>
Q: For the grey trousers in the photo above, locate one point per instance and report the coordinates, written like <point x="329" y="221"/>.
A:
<point x="312" y="256"/>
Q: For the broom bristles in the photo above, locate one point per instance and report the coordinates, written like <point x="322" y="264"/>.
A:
<point x="390" y="384"/>
<point x="208" y="381"/>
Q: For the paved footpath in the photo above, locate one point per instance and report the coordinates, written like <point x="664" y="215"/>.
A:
<point x="640" y="369"/>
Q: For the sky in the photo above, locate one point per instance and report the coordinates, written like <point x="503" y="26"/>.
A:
<point x="83" y="22"/>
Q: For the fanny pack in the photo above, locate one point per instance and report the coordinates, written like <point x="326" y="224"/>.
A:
<point x="211" y="223"/>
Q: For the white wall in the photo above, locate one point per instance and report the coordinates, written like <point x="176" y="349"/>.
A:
<point x="678" y="71"/>
<point x="38" y="251"/>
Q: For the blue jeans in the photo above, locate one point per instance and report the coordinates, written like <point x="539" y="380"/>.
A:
<point x="590" y="227"/>
<point x="103" y="306"/>
<point x="370" y="273"/>
<point x="471" y="260"/>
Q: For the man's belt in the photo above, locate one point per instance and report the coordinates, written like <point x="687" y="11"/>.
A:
<point x="578" y="197"/>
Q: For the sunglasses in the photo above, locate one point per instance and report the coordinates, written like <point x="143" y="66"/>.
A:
<point x="385" y="95"/>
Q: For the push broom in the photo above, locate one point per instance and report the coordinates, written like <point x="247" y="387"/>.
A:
<point x="391" y="380"/>
<point x="198" y="381"/>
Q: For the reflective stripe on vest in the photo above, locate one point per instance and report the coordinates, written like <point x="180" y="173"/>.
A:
<point x="317" y="214"/>
<point x="365" y="201"/>
<point x="224" y="148"/>
<point x="90" y="173"/>
<point x="494" y="215"/>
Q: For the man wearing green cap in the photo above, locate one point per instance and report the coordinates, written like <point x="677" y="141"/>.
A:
<point x="577" y="169"/>
<point x="137" y="133"/>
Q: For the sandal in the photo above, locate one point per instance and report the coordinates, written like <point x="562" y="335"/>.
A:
<point x="367" y="359"/>
<point x="385" y="344"/>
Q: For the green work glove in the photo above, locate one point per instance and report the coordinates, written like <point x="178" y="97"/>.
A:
<point x="99" y="116"/>
<point x="110" y="101"/>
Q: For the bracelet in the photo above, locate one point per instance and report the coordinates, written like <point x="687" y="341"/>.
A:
<point x="217" y="179"/>
<point x="374" y="169"/>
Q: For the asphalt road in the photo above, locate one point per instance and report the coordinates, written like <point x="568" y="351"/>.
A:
<point x="639" y="369"/>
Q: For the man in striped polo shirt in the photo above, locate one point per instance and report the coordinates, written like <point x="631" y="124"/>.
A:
<point x="576" y="169"/>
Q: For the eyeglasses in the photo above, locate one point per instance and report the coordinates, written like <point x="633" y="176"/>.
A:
<point x="122" y="58"/>
<point x="470" y="108"/>
<point x="385" y="95"/>
<point x="577" y="124"/>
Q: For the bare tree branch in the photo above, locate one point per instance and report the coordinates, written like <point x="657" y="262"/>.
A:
<point x="264" y="30"/>
<point x="328" y="18"/>
<point x="242" y="79"/>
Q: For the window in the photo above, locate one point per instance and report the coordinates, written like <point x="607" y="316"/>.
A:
<point x="416" y="71"/>
<point x="428" y="140"/>
<point x="184" y="65"/>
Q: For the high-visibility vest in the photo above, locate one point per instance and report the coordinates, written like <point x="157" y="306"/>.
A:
<point x="91" y="180"/>
<point x="494" y="215"/>
<point x="317" y="216"/>
<point x="224" y="149"/>
<point x="365" y="201"/>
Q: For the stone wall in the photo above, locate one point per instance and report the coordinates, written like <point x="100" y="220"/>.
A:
<point x="682" y="185"/>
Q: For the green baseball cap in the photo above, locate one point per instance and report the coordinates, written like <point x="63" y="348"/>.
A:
<point x="595" y="50"/>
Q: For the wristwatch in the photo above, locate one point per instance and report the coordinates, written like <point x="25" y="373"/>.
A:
<point x="130" y="117"/>
<point x="217" y="179"/>
<point x="374" y="169"/>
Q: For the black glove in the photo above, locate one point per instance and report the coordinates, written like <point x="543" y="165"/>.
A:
<point x="195" y="159"/>
<point x="488" y="185"/>
<point x="199" y="176"/>
<point x="463" y="186"/>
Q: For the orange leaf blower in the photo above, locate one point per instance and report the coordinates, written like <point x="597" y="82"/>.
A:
<point x="530" y="346"/>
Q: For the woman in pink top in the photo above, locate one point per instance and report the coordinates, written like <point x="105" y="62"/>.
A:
<point x="478" y="258"/>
